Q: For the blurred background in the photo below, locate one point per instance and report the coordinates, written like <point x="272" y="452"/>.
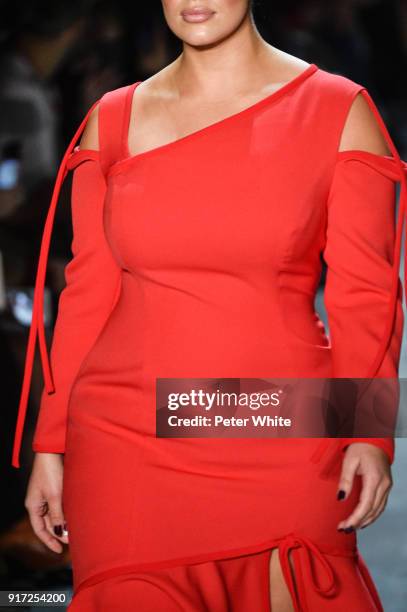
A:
<point x="56" y="59"/>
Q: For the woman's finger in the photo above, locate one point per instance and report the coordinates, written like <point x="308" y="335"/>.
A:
<point x="382" y="493"/>
<point x="372" y="518"/>
<point x="37" y="520"/>
<point x="379" y="507"/>
<point x="370" y="482"/>
<point x="57" y="530"/>
<point x="346" y="479"/>
<point x="54" y="519"/>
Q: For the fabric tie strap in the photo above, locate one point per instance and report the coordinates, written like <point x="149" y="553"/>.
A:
<point x="37" y="322"/>
<point x="295" y="576"/>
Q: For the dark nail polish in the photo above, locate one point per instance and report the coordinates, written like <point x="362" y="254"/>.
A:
<point x="364" y="526"/>
<point x="341" y="494"/>
<point x="349" y="529"/>
<point x="58" y="530"/>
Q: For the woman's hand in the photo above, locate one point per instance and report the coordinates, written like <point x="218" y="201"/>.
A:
<point x="44" y="500"/>
<point x="372" y="464"/>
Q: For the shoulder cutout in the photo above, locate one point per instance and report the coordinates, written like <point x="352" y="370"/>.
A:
<point x="90" y="136"/>
<point x="361" y="130"/>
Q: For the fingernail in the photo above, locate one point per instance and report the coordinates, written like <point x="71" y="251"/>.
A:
<point x="65" y="526"/>
<point x="58" y="530"/>
<point x="349" y="529"/>
<point x="341" y="494"/>
<point x="364" y="526"/>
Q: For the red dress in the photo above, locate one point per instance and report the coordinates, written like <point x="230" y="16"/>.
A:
<point x="201" y="258"/>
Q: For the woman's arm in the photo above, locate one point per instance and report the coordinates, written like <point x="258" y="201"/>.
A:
<point x="92" y="288"/>
<point x="359" y="255"/>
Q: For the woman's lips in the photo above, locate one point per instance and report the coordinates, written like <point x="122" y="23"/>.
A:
<point x="196" y="15"/>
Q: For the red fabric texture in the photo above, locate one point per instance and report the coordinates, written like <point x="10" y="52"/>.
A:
<point x="236" y="583"/>
<point x="201" y="258"/>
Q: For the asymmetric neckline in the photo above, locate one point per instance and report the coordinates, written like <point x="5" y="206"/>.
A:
<point x="286" y="88"/>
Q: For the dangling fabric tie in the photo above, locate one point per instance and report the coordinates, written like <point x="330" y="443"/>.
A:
<point x="312" y="554"/>
<point x="297" y="581"/>
<point x="37" y="321"/>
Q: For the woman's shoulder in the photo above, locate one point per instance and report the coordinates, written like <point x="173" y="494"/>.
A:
<point x="336" y="83"/>
<point x="111" y="105"/>
<point x="327" y="81"/>
<point x="90" y="134"/>
<point x="342" y="99"/>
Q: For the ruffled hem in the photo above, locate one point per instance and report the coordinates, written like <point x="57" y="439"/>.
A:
<point x="312" y="569"/>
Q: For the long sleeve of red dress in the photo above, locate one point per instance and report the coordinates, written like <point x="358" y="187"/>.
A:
<point x="92" y="284"/>
<point x="92" y="287"/>
<point x="359" y="253"/>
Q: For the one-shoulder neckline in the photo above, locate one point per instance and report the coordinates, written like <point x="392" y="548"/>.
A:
<point x="286" y="88"/>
